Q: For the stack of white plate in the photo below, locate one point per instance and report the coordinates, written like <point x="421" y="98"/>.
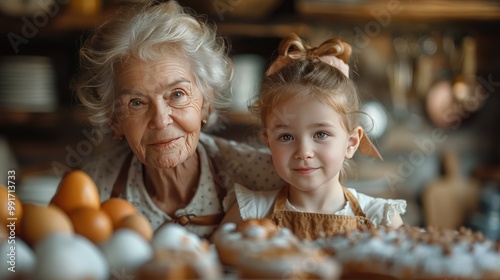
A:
<point x="27" y="83"/>
<point x="37" y="189"/>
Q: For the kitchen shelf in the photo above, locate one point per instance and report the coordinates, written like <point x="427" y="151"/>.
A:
<point x="63" y="116"/>
<point x="400" y="10"/>
<point x="71" y="117"/>
<point x="258" y="30"/>
<point x="65" y="21"/>
<point x="488" y="173"/>
<point x="69" y="21"/>
<point x="306" y="12"/>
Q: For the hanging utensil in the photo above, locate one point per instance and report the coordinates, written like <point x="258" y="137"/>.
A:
<point x="400" y="75"/>
<point x="439" y="101"/>
<point x="451" y="101"/>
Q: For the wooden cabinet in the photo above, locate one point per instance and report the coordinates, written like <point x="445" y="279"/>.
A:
<point x="401" y="10"/>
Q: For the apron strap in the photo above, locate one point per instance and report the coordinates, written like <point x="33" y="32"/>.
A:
<point x="356" y="208"/>
<point x="121" y="180"/>
<point x="354" y="203"/>
<point x="280" y="203"/>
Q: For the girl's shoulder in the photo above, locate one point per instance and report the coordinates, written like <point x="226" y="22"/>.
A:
<point x="254" y="204"/>
<point x="370" y="201"/>
<point x="379" y="210"/>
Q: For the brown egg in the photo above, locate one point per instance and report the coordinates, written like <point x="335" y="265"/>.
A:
<point x="4" y="233"/>
<point x="117" y="209"/>
<point x="11" y="207"/>
<point x="139" y="224"/>
<point x="76" y="190"/>
<point x="92" y="223"/>
<point x="39" y="221"/>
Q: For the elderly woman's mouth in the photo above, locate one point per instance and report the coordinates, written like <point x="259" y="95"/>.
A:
<point x="165" y="144"/>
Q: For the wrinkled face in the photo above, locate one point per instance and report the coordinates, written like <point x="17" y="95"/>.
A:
<point x="159" y="110"/>
<point x="308" y="143"/>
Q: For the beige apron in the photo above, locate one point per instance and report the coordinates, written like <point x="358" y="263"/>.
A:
<point x="314" y="225"/>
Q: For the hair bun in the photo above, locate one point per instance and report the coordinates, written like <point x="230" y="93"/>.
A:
<point x="345" y="55"/>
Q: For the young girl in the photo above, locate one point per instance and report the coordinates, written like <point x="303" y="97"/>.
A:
<point x="309" y="111"/>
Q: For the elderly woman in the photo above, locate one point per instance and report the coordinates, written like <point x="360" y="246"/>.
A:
<point x="153" y="75"/>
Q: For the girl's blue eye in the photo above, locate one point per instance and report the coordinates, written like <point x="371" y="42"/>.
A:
<point x="285" y="137"/>
<point x="321" y="135"/>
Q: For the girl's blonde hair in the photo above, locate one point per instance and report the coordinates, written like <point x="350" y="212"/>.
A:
<point x="310" y="79"/>
<point x="150" y="32"/>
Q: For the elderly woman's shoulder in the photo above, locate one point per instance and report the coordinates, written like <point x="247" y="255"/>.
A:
<point x="216" y="144"/>
<point x="237" y="162"/>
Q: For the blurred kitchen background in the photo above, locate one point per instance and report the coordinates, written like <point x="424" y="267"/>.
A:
<point x="428" y="73"/>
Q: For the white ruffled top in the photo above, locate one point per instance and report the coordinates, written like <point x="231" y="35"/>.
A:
<point x="259" y="204"/>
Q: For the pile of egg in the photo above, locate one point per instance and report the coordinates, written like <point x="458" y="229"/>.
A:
<point x="77" y="236"/>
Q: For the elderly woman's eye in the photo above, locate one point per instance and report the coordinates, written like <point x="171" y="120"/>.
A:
<point x="178" y="94"/>
<point x="135" y="103"/>
<point x="178" y="98"/>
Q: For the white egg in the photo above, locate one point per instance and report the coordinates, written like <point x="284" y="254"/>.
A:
<point x="92" y="257"/>
<point x="64" y="256"/>
<point x="16" y="258"/>
<point x="174" y="236"/>
<point x="125" y="251"/>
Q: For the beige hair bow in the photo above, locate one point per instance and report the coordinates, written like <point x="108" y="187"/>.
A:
<point x="330" y="51"/>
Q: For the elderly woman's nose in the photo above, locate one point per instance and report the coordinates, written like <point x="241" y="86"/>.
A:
<point x="161" y="115"/>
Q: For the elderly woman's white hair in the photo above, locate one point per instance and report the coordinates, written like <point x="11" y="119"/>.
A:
<point x="149" y="32"/>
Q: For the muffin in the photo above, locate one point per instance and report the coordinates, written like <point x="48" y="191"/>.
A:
<point x="253" y="235"/>
<point x="297" y="261"/>
<point x="179" y="264"/>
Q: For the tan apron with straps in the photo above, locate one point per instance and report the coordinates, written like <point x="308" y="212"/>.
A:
<point x="315" y="225"/>
<point x="207" y="220"/>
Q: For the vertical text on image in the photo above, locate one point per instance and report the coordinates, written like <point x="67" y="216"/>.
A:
<point x="11" y="219"/>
